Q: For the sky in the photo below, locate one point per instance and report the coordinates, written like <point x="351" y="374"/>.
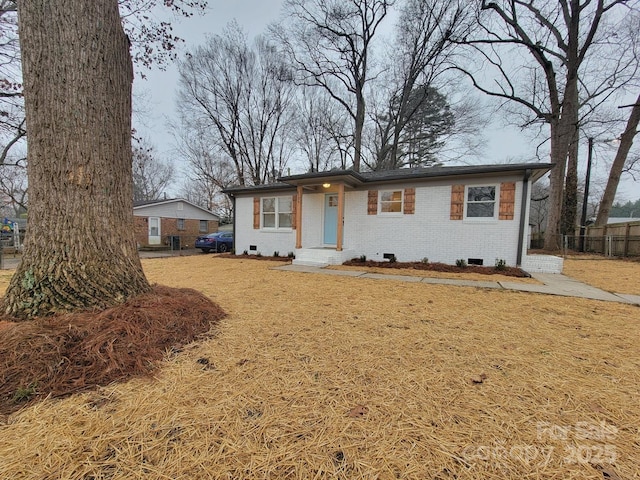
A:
<point x="154" y="98"/>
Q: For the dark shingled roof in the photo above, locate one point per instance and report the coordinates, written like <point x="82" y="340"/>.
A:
<point x="405" y="174"/>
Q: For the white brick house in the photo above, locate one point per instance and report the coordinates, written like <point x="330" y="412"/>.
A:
<point x="476" y="213"/>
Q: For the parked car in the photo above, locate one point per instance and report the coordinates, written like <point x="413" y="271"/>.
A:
<point x="216" y="242"/>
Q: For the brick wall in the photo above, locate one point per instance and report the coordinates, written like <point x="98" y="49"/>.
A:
<point x="428" y="232"/>
<point x="169" y="227"/>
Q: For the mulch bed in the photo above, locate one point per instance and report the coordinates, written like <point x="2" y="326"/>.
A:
<point x="62" y="354"/>
<point x="255" y="257"/>
<point x="440" y="267"/>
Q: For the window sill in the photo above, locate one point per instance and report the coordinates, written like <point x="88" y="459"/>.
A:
<point x="276" y="230"/>
<point x="480" y="220"/>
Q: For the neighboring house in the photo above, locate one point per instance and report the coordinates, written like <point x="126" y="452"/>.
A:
<point x="614" y="220"/>
<point x="159" y="222"/>
<point x="476" y="213"/>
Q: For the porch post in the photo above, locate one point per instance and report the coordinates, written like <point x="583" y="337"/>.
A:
<point x="340" y="216"/>
<point x="299" y="218"/>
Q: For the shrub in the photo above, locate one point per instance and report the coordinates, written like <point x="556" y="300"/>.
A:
<point x="245" y="252"/>
<point x="501" y="264"/>
<point x="392" y="259"/>
<point x="291" y="255"/>
<point x="424" y="260"/>
<point x="258" y="254"/>
<point x="461" y="262"/>
<point x="362" y="258"/>
<point x="276" y="254"/>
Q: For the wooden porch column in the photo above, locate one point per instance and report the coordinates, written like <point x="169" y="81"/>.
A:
<point x="299" y="218"/>
<point x="340" y="216"/>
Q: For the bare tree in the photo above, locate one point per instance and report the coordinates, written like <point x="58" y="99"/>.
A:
<point x="574" y="64"/>
<point x="152" y="39"/>
<point x="13" y="189"/>
<point x="316" y="123"/>
<point x="538" y="210"/>
<point x="151" y="176"/>
<point x="618" y="166"/>
<point x="209" y="171"/>
<point x="240" y="95"/>
<point x="12" y="125"/>
<point x="421" y="53"/>
<point x="329" y="44"/>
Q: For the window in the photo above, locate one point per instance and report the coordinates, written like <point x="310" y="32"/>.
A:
<point x="481" y="202"/>
<point x="277" y="212"/>
<point x="204" y="226"/>
<point x="391" y="201"/>
<point x="180" y="223"/>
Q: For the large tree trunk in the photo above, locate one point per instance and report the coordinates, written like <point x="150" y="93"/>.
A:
<point x="626" y="140"/>
<point x="359" y="127"/>
<point x="80" y="250"/>
<point x="552" y="237"/>
<point x="563" y="133"/>
<point x="570" y="202"/>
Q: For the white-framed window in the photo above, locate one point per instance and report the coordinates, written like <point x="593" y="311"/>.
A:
<point x="204" y="226"/>
<point x="480" y="201"/>
<point x="390" y="201"/>
<point x="180" y="223"/>
<point x="277" y="212"/>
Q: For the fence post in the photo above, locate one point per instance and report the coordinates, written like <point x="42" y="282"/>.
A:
<point x="627" y="231"/>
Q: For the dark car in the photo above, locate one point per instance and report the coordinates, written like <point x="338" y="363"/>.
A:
<point x="216" y="242"/>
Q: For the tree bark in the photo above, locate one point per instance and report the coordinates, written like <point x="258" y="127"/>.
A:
<point x="626" y="140"/>
<point x="570" y="202"/>
<point x="80" y="251"/>
<point x="359" y="127"/>
<point x="563" y="132"/>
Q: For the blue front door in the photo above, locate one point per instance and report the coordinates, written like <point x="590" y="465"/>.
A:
<point x="330" y="219"/>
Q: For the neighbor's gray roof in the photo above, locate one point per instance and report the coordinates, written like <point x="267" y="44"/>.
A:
<point x="147" y="203"/>
<point x="405" y="174"/>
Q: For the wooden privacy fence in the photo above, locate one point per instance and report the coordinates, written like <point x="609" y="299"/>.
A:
<point x="619" y="239"/>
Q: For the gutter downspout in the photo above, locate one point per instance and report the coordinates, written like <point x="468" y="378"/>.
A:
<point x="523" y="214"/>
<point x="233" y="207"/>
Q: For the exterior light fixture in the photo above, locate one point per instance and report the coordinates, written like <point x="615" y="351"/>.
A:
<point x="326" y="185"/>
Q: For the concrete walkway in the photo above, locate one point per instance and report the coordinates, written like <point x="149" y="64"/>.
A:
<point x="554" y="284"/>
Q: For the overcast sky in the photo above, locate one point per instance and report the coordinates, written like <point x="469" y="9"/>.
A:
<point x="155" y="97"/>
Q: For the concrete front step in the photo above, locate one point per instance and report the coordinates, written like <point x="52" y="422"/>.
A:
<point x="321" y="257"/>
<point x="309" y="263"/>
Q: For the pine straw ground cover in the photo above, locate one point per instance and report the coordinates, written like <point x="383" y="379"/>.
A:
<point x="612" y="275"/>
<point x="62" y="354"/>
<point x="313" y="376"/>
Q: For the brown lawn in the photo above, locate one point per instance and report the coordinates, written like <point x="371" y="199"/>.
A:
<point x="617" y="276"/>
<point x="313" y="376"/>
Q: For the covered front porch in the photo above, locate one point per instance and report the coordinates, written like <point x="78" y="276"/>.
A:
<point x="327" y="248"/>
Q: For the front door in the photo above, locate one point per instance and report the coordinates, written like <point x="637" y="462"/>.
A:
<point x="154" y="231"/>
<point x="330" y="219"/>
